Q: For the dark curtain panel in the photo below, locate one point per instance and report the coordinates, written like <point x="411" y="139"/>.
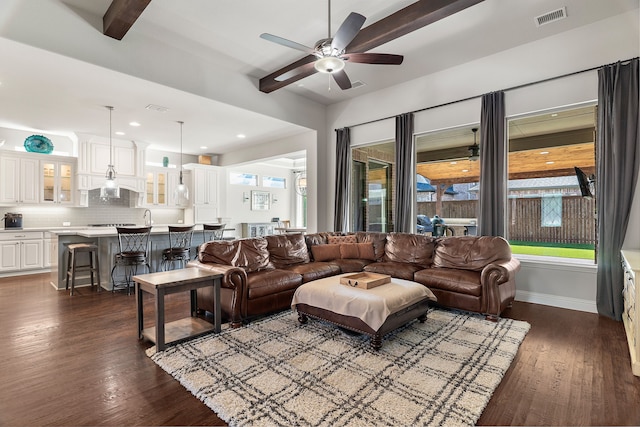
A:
<point x="618" y="157"/>
<point x="491" y="208"/>
<point x="343" y="164"/>
<point x="404" y="173"/>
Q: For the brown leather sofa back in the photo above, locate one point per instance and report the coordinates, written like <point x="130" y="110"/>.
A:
<point x="248" y="254"/>
<point x="415" y="249"/>
<point x="470" y="252"/>
<point x="287" y="249"/>
<point x="379" y="241"/>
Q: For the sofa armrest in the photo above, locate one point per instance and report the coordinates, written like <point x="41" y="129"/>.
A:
<point x="498" y="286"/>
<point x="233" y="278"/>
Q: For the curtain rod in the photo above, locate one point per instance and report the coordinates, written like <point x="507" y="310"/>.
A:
<point x="505" y="90"/>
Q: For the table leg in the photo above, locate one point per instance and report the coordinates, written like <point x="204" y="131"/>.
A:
<point x="139" y="312"/>
<point x="216" y="304"/>
<point x="160" y="320"/>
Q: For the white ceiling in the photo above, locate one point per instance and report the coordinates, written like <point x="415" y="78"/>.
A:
<point x="49" y="92"/>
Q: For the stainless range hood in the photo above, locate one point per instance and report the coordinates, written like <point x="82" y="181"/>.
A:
<point x="127" y="199"/>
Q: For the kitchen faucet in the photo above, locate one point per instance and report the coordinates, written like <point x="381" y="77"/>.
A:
<point x="147" y="222"/>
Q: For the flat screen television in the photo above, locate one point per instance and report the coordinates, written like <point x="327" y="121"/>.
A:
<point x="585" y="182"/>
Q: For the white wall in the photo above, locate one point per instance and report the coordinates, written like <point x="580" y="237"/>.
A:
<point x="238" y="197"/>
<point x="303" y="142"/>
<point x="603" y="42"/>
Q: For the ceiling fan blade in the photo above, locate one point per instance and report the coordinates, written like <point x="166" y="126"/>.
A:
<point x="287" y="43"/>
<point x="373" y="58"/>
<point x="292" y="73"/>
<point x="347" y="31"/>
<point x="342" y="79"/>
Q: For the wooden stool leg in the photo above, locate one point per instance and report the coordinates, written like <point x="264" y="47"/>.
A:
<point x="66" y="286"/>
<point x="98" y="270"/>
<point x="73" y="271"/>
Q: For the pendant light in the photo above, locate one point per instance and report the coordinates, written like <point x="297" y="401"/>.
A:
<point x="181" y="194"/>
<point x="474" y="150"/>
<point x="110" y="189"/>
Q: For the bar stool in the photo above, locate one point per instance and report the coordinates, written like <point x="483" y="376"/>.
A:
<point x="180" y="239"/>
<point x="72" y="266"/>
<point x="212" y="232"/>
<point x="134" y="252"/>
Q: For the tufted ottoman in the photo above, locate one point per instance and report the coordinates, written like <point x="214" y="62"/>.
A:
<point x="374" y="312"/>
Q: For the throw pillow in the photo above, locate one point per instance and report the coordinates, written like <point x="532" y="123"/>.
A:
<point x="350" y="238"/>
<point x="357" y="251"/>
<point x="325" y="252"/>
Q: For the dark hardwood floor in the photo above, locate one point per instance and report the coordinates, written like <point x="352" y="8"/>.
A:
<point x="77" y="361"/>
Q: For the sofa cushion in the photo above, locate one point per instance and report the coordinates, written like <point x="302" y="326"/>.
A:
<point x="253" y="255"/>
<point x="452" y="280"/>
<point x="357" y="251"/>
<point x="378" y="239"/>
<point x="314" y="270"/>
<point x="321" y="238"/>
<point x="401" y="270"/>
<point x="351" y="265"/>
<point x="287" y="249"/>
<point x="470" y="252"/>
<point x="349" y="238"/>
<point x="268" y="282"/>
<point x="409" y="248"/>
<point x="219" y="252"/>
<point x="326" y="252"/>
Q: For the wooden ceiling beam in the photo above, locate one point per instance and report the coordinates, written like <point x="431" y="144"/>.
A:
<point x="121" y="16"/>
<point x="398" y="24"/>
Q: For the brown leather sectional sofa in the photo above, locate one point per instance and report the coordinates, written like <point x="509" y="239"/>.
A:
<point x="261" y="274"/>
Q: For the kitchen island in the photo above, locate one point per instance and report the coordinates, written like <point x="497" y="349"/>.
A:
<point x="106" y="238"/>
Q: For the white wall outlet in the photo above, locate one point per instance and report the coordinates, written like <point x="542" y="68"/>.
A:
<point x="66" y="223"/>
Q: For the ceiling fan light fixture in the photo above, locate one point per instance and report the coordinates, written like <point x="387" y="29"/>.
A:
<point x="329" y="64"/>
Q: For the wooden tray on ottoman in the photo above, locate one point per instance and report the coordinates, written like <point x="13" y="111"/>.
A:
<point x="365" y="280"/>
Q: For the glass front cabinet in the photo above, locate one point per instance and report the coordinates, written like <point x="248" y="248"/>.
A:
<point x="57" y="182"/>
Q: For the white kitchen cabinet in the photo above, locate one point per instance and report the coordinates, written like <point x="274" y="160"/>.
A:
<point x="21" y="251"/>
<point x="57" y="182"/>
<point x="156" y="189"/>
<point x="47" y="251"/>
<point x="20" y="180"/>
<point x="205" y="186"/>
<point x="124" y="159"/>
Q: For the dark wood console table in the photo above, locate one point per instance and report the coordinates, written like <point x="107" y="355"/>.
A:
<point x="171" y="282"/>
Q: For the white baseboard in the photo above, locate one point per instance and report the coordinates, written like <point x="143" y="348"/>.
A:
<point x="557" y="301"/>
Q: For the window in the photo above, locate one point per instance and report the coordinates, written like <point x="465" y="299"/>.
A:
<point x="546" y="213"/>
<point x="238" y="178"/>
<point x="447" y="180"/>
<point x="274" y="182"/>
<point x="372" y="183"/>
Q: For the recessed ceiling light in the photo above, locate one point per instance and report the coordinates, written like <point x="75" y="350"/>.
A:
<point x="554" y="115"/>
<point x="203" y="148"/>
<point x="544" y="152"/>
<point x="454" y="163"/>
<point x="241" y="135"/>
<point x="134" y="124"/>
<point x="550" y="163"/>
<point x="465" y="170"/>
<point x="120" y="133"/>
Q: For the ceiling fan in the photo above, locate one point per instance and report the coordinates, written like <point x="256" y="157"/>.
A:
<point x="329" y="55"/>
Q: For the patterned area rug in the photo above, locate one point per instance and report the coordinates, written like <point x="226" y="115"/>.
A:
<point x="278" y="372"/>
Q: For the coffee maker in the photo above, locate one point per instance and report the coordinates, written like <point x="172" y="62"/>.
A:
<point x="12" y="220"/>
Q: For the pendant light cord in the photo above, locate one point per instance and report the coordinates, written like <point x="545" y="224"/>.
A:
<point x="110" y="133"/>
<point x="181" y="123"/>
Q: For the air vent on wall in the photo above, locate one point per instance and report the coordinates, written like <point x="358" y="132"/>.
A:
<point x="356" y="84"/>
<point x="549" y="17"/>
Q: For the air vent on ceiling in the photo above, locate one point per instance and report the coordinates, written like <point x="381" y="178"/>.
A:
<point x="549" y="17"/>
<point x="158" y="108"/>
<point x="356" y="84"/>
